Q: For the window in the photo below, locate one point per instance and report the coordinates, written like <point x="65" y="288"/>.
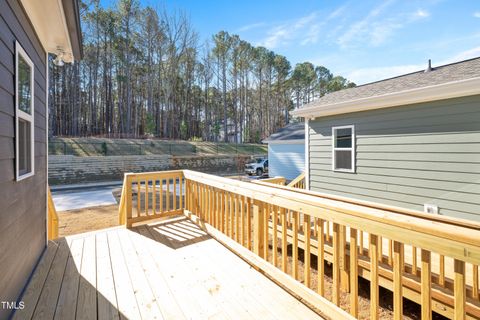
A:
<point x="24" y="138"/>
<point x="343" y="152"/>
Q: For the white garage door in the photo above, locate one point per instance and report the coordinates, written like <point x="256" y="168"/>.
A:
<point x="286" y="160"/>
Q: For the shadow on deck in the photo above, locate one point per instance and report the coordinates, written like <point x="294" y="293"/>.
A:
<point x="163" y="270"/>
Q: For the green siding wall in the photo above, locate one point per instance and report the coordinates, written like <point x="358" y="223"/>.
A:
<point x="407" y="156"/>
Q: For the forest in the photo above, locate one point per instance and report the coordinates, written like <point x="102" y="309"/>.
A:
<point x="145" y="73"/>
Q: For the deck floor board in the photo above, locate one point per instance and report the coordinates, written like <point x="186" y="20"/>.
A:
<point x="163" y="270"/>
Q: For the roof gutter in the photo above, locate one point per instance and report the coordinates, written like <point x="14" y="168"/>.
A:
<point x="442" y="91"/>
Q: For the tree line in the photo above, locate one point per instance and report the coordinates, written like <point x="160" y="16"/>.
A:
<point x="145" y="73"/>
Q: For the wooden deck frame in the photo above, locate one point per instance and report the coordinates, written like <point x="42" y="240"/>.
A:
<point x="389" y="229"/>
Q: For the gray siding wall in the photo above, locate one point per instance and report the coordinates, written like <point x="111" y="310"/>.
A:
<point x="22" y="204"/>
<point x="407" y="156"/>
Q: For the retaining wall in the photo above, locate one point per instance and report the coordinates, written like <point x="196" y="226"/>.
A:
<point x="72" y="169"/>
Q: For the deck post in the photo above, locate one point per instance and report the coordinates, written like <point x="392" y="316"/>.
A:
<point x="128" y="203"/>
<point x="258" y="227"/>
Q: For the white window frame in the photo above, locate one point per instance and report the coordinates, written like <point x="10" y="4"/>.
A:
<point x="352" y="149"/>
<point x="19" y="114"/>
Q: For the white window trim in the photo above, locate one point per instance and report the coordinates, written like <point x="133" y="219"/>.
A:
<point x="354" y="165"/>
<point x="19" y="114"/>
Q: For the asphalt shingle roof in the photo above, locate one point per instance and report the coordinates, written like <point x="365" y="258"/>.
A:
<point x="293" y="131"/>
<point x="438" y="75"/>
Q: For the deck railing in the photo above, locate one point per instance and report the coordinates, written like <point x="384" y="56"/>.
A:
<point x="274" y="180"/>
<point x="298" y="182"/>
<point x="278" y="230"/>
<point x="52" y="218"/>
<point x="151" y="195"/>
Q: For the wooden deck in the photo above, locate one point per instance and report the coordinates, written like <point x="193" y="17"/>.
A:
<point x="164" y="270"/>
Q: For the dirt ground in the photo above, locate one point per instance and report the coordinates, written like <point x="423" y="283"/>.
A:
<point x="87" y="219"/>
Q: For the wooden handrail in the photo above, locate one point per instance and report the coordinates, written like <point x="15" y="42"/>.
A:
<point x="52" y="217"/>
<point x="298" y="182"/>
<point x="359" y="239"/>
<point x="274" y="180"/>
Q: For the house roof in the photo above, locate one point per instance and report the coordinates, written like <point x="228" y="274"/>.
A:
<point x="57" y="24"/>
<point x="442" y="82"/>
<point x="292" y="131"/>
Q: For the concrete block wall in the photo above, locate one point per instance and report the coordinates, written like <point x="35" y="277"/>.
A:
<point x="72" y="169"/>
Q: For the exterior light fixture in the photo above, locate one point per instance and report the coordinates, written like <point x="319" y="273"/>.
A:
<point x="58" y="61"/>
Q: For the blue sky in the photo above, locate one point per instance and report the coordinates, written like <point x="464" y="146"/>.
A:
<point x="362" y="40"/>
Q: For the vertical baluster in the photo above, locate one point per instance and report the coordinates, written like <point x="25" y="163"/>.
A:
<point x="398" y="259"/>
<point x="139" y="197"/>
<point x="274" y="235"/>
<point x="237" y="218"/>
<point x="380" y="249"/>
<point x="181" y="192"/>
<point x="360" y="242"/>
<point x="147" y="193"/>
<point x="283" y="215"/>
<point x="336" y="265"/>
<point x="320" y="257"/>
<point x="266" y="217"/>
<point x="168" y="195"/>
<point x="128" y="203"/>
<point x="160" y="196"/>
<point x="223" y="210"/>
<point x="231" y="215"/>
<point x="441" y="275"/>
<point x="294" y="245"/>
<point x="459" y="289"/>
<point x="414" y="261"/>
<point x="306" y="251"/>
<point x="353" y="273"/>
<point x="374" y="290"/>
<point x="390" y="252"/>
<point x="258" y="229"/>
<point x="249" y="223"/>
<point x="174" y="193"/>
<point x="217" y="208"/>
<point x="426" y="285"/>
<point x="344" y="273"/>
<point x="154" y="196"/>
<point x="475" y="294"/>
<point x="209" y="212"/>
<point x="328" y="235"/>
<point x="213" y="207"/>
<point x="242" y="220"/>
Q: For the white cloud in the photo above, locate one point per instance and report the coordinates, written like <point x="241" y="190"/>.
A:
<point x="467" y="54"/>
<point x="281" y="34"/>
<point x="420" y="13"/>
<point x="476" y="14"/>
<point x="313" y="34"/>
<point x="366" y="75"/>
<point x="305" y="30"/>
<point x="251" y="26"/>
<point x="378" y="26"/>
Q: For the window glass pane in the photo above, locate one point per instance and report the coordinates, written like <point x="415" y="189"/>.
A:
<point x="24" y="85"/>
<point x="343" y="159"/>
<point x="343" y="138"/>
<point x="24" y="147"/>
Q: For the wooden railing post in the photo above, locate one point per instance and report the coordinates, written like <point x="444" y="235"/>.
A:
<point x="128" y="200"/>
<point x="258" y="230"/>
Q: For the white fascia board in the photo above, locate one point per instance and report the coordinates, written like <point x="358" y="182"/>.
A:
<point x="455" y="89"/>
